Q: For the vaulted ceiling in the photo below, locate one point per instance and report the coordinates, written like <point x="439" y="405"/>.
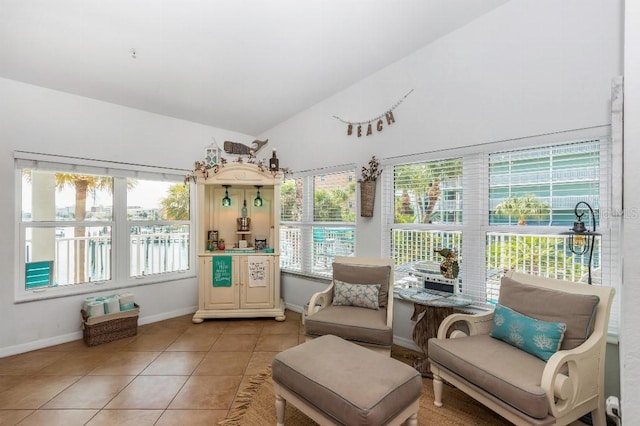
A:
<point x="242" y="65"/>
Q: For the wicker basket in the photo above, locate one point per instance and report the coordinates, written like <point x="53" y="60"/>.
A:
<point x="110" y="327"/>
<point x="367" y="197"/>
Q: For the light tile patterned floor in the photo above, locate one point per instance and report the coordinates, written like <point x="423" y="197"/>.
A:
<point x="173" y="372"/>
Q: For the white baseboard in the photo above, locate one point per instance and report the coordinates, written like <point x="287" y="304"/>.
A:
<point x="166" y="315"/>
<point x="294" y="308"/>
<point x="70" y="337"/>
<point x="39" y="344"/>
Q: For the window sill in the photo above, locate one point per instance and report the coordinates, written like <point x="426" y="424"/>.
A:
<point x="310" y="277"/>
<point x="89" y="288"/>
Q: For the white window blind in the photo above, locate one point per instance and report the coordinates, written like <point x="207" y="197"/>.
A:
<point x="317" y="221"/>
<point x="501" y="207"/>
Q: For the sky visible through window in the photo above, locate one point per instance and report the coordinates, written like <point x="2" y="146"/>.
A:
<point x="146" y="195"/>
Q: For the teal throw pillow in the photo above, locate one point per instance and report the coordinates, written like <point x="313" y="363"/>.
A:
<point x="539" y="338"/>
<point x="361" y="295"/>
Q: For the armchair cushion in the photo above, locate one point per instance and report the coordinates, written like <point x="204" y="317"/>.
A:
<point x="505" y="371"/>
<point x="577" y="311"/>
<point x="363" y="274"/>
<point x="539" y="338"/>
<point x="360" y="295"/>
<point x="351" y="323"/>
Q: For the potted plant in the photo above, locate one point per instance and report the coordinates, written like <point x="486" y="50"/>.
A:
<point x="367" y="182"/>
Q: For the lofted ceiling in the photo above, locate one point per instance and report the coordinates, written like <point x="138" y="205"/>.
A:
<point x="241" y="65"/>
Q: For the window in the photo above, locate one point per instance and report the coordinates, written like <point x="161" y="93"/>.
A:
<point x="317" y="221"/>
<point x="427" y="219"/>
<point x="540" y="187"/>
<point x="515" y="205"/>
<point x="83" y="224"/>
<point x="158" y="217"/>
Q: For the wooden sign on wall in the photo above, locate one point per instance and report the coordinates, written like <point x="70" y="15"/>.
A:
<point x="367" y="126"/>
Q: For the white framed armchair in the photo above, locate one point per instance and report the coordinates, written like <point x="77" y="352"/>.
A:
<point x="357" y="305"/>
<point x="513" y="380"/>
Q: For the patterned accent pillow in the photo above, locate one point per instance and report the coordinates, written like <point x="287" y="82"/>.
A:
<point x="362" y="295"/>
<point x="539" y="338"/>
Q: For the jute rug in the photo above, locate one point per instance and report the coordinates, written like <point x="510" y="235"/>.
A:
<point x="255" y="406"/>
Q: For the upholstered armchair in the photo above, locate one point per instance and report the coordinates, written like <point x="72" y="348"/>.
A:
<point x="357" y="305"/>
<point x="511" y="363"/>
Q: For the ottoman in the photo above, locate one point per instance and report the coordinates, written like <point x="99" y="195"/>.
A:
<point x="340" y="383"/>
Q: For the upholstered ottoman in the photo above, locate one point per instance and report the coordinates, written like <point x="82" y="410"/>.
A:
<point x="337" y="382"/>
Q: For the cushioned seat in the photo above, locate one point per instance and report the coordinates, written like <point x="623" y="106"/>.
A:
<point x="357" y="305"/>
<point x="357" y="324"/>
<point x="537" y="359"/>
<point x="336" y="381"/>
<point x="505" y="371"/>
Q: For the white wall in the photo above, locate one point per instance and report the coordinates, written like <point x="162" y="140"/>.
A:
<point x="47" y="121"/>
<point x="630" y="295"/>
<point x="528" y="68"/>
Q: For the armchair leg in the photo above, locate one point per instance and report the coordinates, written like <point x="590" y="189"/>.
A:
<point x="280" y="407"/>
<point x="412" y="421"/>
<point x="437" y="390"/>
<point x="599" y="417"/>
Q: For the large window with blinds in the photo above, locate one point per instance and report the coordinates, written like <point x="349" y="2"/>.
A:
<point x="317" y="221"/>
<point x="496" y="210"/>
<point x="532" y="196"/>
<point x="86" y="224"/>
<point x="427" y="220"/>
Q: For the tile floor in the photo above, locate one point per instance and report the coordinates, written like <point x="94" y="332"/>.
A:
<point x="172" y="372"/>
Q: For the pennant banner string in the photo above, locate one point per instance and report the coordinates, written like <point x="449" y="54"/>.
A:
<point x="375" y="118"/>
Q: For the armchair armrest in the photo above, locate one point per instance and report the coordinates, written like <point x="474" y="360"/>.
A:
<point x="477" y="324"/>
<point x="569" y="379"/>
<point x="320" y="300"/>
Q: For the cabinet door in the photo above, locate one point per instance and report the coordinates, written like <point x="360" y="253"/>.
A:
<point x="256" y="282"/>
<point x="219" y="297"/>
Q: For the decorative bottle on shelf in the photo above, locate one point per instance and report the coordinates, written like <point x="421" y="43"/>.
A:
<point x="274" y="163"/>
<point x="244" y="221"/>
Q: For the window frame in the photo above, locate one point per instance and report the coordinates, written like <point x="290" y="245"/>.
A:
<point x="307" y="224"/>
<point x="476" y="227"/>
<point x="120" y="225"/>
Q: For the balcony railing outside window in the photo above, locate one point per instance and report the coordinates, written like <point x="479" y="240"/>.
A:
<point x="150" y="253"/>
<point x="538" y="254"/>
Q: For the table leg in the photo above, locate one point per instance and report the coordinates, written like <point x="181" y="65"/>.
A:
<point x="428" y="319"/>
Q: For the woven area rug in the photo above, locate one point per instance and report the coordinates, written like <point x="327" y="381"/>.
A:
<point x="255" y="406"/>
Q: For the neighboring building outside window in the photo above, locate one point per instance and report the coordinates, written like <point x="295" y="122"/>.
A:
<point x="514" y="206"/>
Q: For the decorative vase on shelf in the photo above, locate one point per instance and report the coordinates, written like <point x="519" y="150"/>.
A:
<point x="221" y="245"/>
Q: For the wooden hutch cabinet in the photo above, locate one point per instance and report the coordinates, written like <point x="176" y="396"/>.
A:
<point x="242" y="279"/>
